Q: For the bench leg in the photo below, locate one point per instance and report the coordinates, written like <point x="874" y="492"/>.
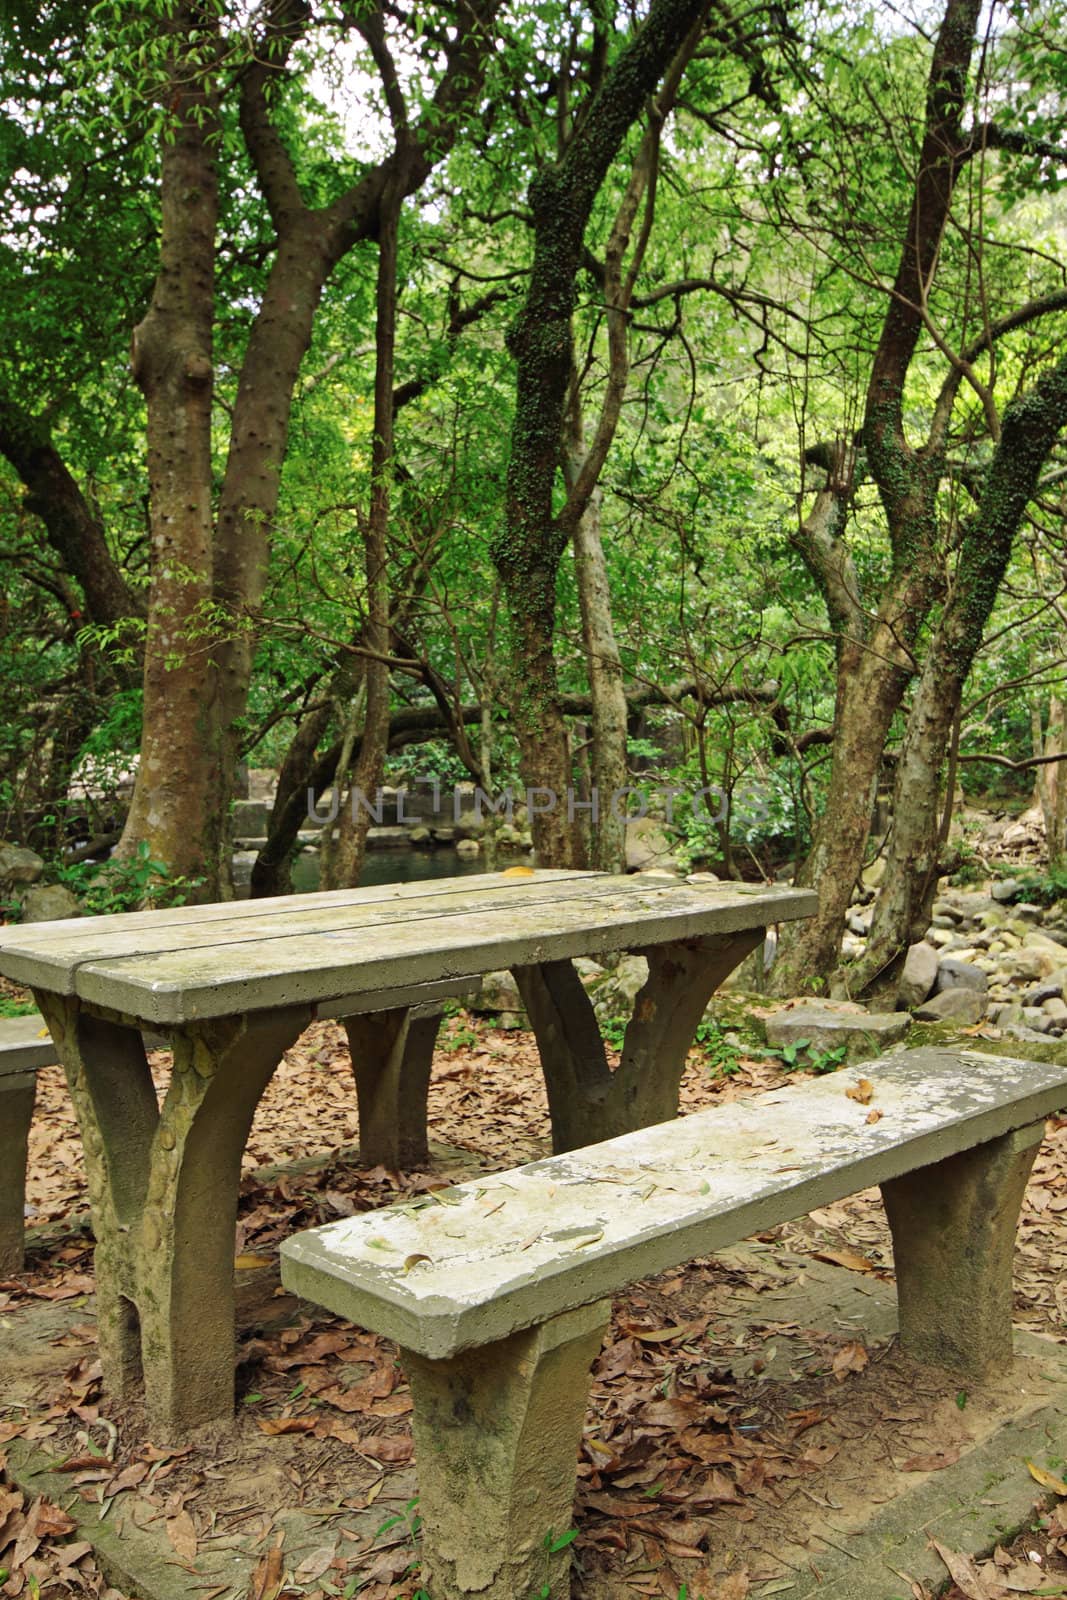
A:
<point x="392" y="1053"/>
<point x="497" y="1431"/>
<point x="587" y="1101"/>
<point x="953" y="1227"/>
<point x="163" y="1189"/>
<point x="17" y="1094"/>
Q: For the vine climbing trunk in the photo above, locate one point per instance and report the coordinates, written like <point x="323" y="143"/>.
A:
<point x="529" y="548"/>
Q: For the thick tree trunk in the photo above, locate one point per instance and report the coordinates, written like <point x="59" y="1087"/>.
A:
<point x="177" y="807"/>
<point x="869" y="689"/>
<point x="1030" y="427"/>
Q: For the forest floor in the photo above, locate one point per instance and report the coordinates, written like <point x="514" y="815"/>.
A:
<point x="713" y="1442"/>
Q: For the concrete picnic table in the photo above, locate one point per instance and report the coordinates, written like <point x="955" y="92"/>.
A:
<point x="230" y="987"/>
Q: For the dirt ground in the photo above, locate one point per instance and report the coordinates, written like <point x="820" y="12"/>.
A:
<point x="709" y="1455"/>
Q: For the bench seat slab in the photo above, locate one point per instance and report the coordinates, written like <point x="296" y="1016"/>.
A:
<point x="17" y="1095"/>
<point x="953" y="1227"/>
<point x="163" y="1185"/>
<point x="496" y="1435"/>
<point x="442" y="1273"/>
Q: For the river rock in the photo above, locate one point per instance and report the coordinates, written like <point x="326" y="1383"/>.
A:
<point x="955" y="973"/>
<point x="498" y="994"/>
<point x="19" y="865"/>
<point x="48" y="902"/>
<point x="863" y="1033"/>
<point x="647" y="845"/>
<point x="1004" y="890"/>
<point x="964" y="1006"/>
<point x="918" y="976"/>
<point x="468" y="847"/>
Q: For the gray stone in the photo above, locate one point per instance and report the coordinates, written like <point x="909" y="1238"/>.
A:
<point x="421" y="838"/>
<point x="468" y="847"/>
<point x="647" y="845"/>
<point x="497" y="992"/>
<point x="19" y="865"/>
<point x="1027" y="912"/>
<point x="964" y="1006"/>
<point x="251" y="819"/>
<point x="1056" y="1009"/>
<point x="953" y="973"/>
<point x="615" y="996"/>
<point x="862" y="1033"/>
<point x="49" y="902"/>
<point x="1004" y="889"/>
<point x="1044" y="991"/>
<point x="918" y="976"/>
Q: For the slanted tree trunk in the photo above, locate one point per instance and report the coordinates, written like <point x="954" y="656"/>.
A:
<point x="177" y="806"/>
<point x="1030" y="427"/>
<point x="908" y="480"/>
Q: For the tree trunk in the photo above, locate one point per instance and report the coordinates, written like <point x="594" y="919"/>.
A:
<point x="869" y="689"/>
<point x="355" y="818"/>
<point x="607" y="687"/>
<point x="1030" y="427"/>
<point x="177" y="807"/>
<point x="529" y="549"/>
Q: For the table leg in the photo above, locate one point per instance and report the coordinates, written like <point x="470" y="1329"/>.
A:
<point x="17" y="1095"/>
<point x="587" y="1101"/>
<point x="392" y="1053"/>
<point x="163" y="1189"/>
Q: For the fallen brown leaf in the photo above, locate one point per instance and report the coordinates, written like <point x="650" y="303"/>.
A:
<point x="278" y="1425"/>
<point x="862" y="1091"/>
<point x="181" y="1531"/>
<point x="934" y="1462"/>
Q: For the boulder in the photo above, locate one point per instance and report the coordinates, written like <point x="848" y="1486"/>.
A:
<point x="615" y="996"/>
<point x="19" y="865"/>
<point x="468" y="847"/>
<point x="964" y="1006"/>
<point x="498" y="994"/>
<point x="49" y="902"/>
<point x="1004" y="890"/>
<point x="918" y="976"/>
<point x="863" y="1033"/>
<point x="954" y="973"/>
<point x="647" y="845"/>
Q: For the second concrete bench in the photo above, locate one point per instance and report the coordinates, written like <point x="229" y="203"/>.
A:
<point x="498" y="1291"/>
<point x="25" y="1047"/>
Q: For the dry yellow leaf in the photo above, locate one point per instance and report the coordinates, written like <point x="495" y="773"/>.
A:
<point x="1047" y="1480"/>
<point x="247" y="1263"/>
<point x="874" y="1116"/>
<point x="518" y="872"/>
<point x="861" y="1091"/>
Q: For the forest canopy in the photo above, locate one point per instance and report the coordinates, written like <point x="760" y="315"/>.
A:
<point x="570" y="398"/>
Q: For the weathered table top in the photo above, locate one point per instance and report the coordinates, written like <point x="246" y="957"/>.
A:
<point x="196" y="962"/>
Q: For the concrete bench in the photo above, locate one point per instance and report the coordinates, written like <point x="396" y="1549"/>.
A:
<point x="498" y="1292"/>
<point x="24" y="1047"/>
